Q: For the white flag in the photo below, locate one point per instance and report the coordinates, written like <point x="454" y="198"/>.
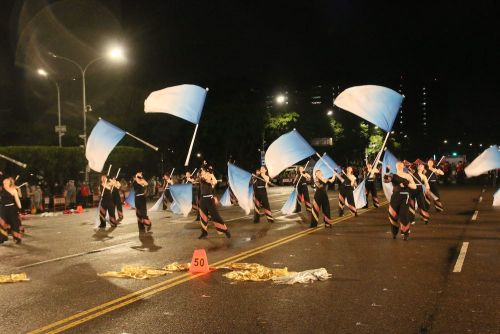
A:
<point x="486" y="161"/>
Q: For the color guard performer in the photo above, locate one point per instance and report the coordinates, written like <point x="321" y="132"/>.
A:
<point x="141" y="211"/>
<point x="432" y="177"/>
<point x="11" y="205"/>
<point x="117" y="199"/>
<point x="107" y="203"/>
<point x="346" y="196"/>
<point x="260" y="182"/>
<point x="301" y="181"/>
<point x="167" y="197"/>
<point x="207" y="205"/>
<point x="320" y="201"/>
<point x="4" y="234"/>
<point x="417" y="196"/>
<point x="196" y="192"/>
<point x="398" y="208"/>
<point x="370" y="184"/>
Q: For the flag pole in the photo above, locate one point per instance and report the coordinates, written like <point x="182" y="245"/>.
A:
<point x="298" y="181"/>
<point x="191" y="146"/>
<point x="142" y="141"/>
<point x="19" y="163"/>
<point x="375" y="163"/>
<point x="327" y="165"/>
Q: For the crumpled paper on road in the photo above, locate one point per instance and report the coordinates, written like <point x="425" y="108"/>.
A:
<point x="144" y="272"/>
<point x="256" y="272"/>
<point x="14" y="278"/>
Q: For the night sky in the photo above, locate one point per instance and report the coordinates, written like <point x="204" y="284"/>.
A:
<point x="234" y="46"/>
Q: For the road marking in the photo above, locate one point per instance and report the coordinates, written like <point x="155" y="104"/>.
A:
<point x="75" y="255"/>
<point x="112" y="305"/>
<point x="461" y="258"/>
<point x="474" y="216"/>
<point x="480" y="199"/>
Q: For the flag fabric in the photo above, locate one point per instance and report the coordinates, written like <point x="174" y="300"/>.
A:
<point x="486" y="161"/>
<point x="290" y="204"/>
<point x="239" y="181"/>
<point x="325" y="164"/>
<point x="102" y="140"/>
<point x="225" y="200"/>
<point x="496" y="198"/>
<point x="285" y="151"/>
<point x="389" y="161"/>
<point x="360" y="195"/>
<point x="376" y="104"/>
<point x="159" y="204"/>
<point x="175" y="208"/>
<point x="184" y="101"/>
<point x="182" y="195"/>
<point x="130" y="200"/>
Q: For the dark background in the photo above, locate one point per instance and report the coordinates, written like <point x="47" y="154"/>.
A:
<point x="246" y="52"/>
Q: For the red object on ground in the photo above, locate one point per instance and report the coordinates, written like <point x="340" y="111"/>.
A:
<point x="199" y="262"/>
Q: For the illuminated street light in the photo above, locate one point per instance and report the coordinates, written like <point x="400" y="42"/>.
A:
<point x="280" y="99"/>
<point x="329" y="112"/>
<point x="198" y="155"/>
<point x="59" y="129"/>
<point x="445" y="141"/>
<point x="115" y="54"/>
<point x="42" y="72"/>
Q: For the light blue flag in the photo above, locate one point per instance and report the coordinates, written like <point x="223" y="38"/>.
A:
<point x="159" y="204"/>
<point x="285" y="151"/>
<point x="486" y="161"/>
<point x="182" y="195"/>
<point x="389" y="161"/>
<point x="130" y="200"/>
<point x="184" y="101"/>
<point x="175" y="208"/>
<point x="239" y="181"/>
<point x="321" y="164"/>
<point x="378" y="105"/>
<point x="102" y="140"/>
<point x="225" y="200"/>
<point x="359" y="195"/>
<point x="290" y="204"/>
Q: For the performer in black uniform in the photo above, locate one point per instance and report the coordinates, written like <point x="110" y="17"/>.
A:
<point x="417" y="195"/>
<point x="117" y="199"/>
<point x="11" y="206"/>
<point x="398" y="208"/>
<point x="107" y="205"/>
<point x="370" y="185"/>
<point x="301" y="181"/>
<point x="432" y="176"/>
<point x="346" y="196"/>
<point x="260" y="182"/>
<point x="167" y="197"/>
<point x="196" y="193"/>
<point x="4" y="228"/>
<point x="141" y="211"/>
<point x="207" y="205"/>
<point x="320" y="201"/>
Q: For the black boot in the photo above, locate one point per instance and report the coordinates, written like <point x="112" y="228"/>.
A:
<point x="203" y="235"/>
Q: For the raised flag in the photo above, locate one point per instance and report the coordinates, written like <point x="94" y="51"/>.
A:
<point x="325" y="165"/>
<point x="290" y="204"/>
<point x="285" y="151"/>
<point x="225" y="200"/>
<point x="184" y="101"/>
<point x="182" y="195"/>
<point x="359" y="195"/>
<point x="239" y="181"/>
<point x="389" y="161"/>
<point x="486" y="161"/>
<point x="102" y="140"/>
<point x="376" y="104"/>
<point x="496" y="198"/>
<point x="159" y="204"/>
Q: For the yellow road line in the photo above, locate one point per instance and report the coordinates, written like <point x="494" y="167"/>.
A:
<point x="167" y="284"/>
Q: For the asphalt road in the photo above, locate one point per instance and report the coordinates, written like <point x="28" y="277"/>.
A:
<point x="379" y="285"/>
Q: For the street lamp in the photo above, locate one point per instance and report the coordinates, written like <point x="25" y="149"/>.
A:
<point x="445" y="141"/>
<point x="59" y="131"/>
<point x="115" y="54"/>
<point x="329" y="112"/>
<point x="280" y="99"/>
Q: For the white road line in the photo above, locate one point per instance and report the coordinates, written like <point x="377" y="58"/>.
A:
<point x="480" y="199"/>
<point x="474" y="216"/>
<point x="461" y="257"/>
<point x="75" y="255"/>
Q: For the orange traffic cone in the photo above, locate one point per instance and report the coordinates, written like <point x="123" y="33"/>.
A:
<point x="199" y="262"/>
<point x="79" y="209"/>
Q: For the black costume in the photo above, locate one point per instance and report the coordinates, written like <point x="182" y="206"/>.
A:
<point x="107" y="206"/>
<point x="321" y="202"/>
<point x="261" y="201"/>
<point x="398" y="207"/>
<point x="141" y="210"/>
<point x="167" y="196"/>
<point x="346" y="196"/>
<point x="432" y="178"/>
<point x="371" y="189"/>
<point x="117" y="202"/>
<point x="302" y="194"/>
<point x="417" y="196"/>
<point x="208" y="208"/>
<point x="10" y="222"/>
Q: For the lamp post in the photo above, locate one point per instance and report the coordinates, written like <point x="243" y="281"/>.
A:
<point x="59" y="131"/>
<point x="114" y="54"/>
